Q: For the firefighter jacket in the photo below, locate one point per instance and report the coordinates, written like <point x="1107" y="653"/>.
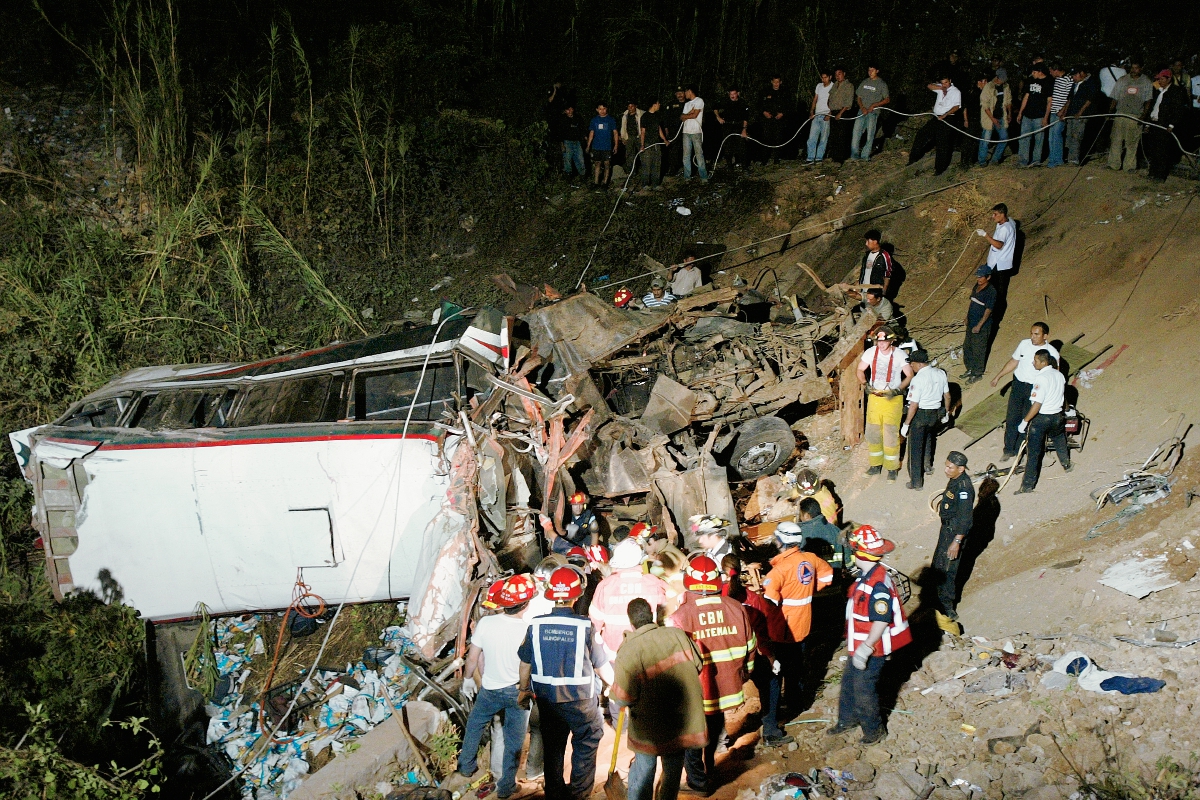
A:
<point x="563" y="655"/>
<point x="795" y="576"/>
<point x="609" y="609"/>
<point x="723" y="635"/>
<point x="657" y="676"/>
<point x="873" y="598"/>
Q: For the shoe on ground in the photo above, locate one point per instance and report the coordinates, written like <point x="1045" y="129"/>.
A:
<point x="687" y="788"/>
<point x="892" y="473"/>
<point x="909" y="485"/>
<point x="1006" y="457"/>
<point x="839" y="729"/>
<point x="1023" y="490"/>
<point x="929" y="470"/>
<point x="778" y="741"/>
<point x="873" y="738"/>
<point x="1068" y="467"/>
<point x="875" y="470"/>
<point x="947" y="624"/>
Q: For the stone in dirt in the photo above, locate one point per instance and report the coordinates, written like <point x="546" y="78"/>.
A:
<point x="893" y="787"/>
<point x="877" y="756"/>
<point x="840" y="759"/>
<point x="862" y="771"/>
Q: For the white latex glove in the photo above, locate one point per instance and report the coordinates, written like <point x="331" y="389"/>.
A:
<point x="945" y="418"/>
<point x="904" y="429"/>
<point x="861" y="655"/>
<point x="469" y="688"/>
<point x="776" y="667"/>
<point x="1024" y="424"/>
<point x="980" y="232"/>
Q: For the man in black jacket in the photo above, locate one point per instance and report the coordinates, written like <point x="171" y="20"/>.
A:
<point x="955" y="511"/>
<point x="1165" y="115"/>
<point x="775" y="119"/>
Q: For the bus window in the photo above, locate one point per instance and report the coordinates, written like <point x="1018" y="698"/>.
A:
<point x="388" y="395"/>
<point x="315" y="398"/>
<point x="181" y="410"/>
<point x="97" y="414"/>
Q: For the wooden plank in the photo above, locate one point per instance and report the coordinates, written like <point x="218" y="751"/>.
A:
<point x="851" y="400"/>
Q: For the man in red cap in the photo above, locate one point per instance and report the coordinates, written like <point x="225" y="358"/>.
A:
<point x="875" y="628"/>
<point x="1165" y="117"/>
<point x="722" y="632"/>
<point x="496" y="638"/>
<point x="579" y="529"/>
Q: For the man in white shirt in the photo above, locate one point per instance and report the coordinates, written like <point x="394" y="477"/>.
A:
<point x="942" y="131"/>
<point x="693" y="134"/>
<point x="687" y="278"/>
<point x="818" y="131"/>
<point x="890" y="374"/>
<point x="496" y="639"/>
<point x="1021" y="364"/>
<point x="1044" y="421"/>
<point x="928" y="401"/>
<point x="1003" y="247"/>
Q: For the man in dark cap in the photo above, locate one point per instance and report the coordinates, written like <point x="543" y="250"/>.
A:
<point x="955" y="509"/>
<point x="979" y="325"/>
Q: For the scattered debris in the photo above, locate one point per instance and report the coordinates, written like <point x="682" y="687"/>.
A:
<point x="1138" y="577"/>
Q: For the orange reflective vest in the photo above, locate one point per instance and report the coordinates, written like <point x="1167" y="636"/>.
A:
<point x="795" y="577"/>
<point x="873" y="598"/>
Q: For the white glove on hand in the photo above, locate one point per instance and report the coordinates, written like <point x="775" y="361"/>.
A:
<point x="904" y="429"/>
<point x="469" y="689"/>
<point x="776" y="667"/>
<point x="1024" y="424"/>
<point x="945" y="418"/>
<point x="980" y="232"/>
<point x="861" y="655"/>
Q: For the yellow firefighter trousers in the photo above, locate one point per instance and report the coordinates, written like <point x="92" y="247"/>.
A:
<point x="883" y="430"/>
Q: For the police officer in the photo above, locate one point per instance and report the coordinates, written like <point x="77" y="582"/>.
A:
<point x="955" y="509"/>
<point x="875" y="628"/>
<point x="672" y="115"/>
<point x="560" y="660"/>
<point x="928" y="399"/>
<point x="774" y="119"/>
<point x="734" y="116"/>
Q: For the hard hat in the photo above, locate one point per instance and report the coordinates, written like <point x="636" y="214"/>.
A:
<point x="867" y="543"/>
<point x="579" y="498"/>
<point x="707" y="523"/>
<point x="643" y="530"/>
<point x="547" y="565"/>
<point x="702" y="576"/>
<point x="807" y="482"/>
<point x="564" y="584"/>
<point x="491" y="600"/>
<point x="596" y="554"/>
<point x="788" y="534"/>
<point x="622" y="297"/>
<point x="517" y="590"/>
<point x="626" y="555"/>
<point x="577" y="557"/>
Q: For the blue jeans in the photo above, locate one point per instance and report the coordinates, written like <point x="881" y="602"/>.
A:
<point x="1057" y="131"/>
<point x="641" y="776"/>
<point x="1000" y="134"/>
<point x="818" y="138"/>
<point x="693" y="146"/>
<point x="573" y="158"/>
<point x="864" y="123"/>
<point x="858" y="703"/>
<point x="581" y="721"/>
<point x="489" y="703"/>
<point x="1036" y="140"/>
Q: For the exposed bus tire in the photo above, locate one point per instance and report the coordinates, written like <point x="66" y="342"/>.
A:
<point x="763" y="445"/>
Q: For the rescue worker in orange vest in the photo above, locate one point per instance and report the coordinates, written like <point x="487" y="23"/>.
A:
<point x="875" y="628"/>
<point x="609" y="611"/>
<point x="722" y="632"/>
<point x="795" y="576"/>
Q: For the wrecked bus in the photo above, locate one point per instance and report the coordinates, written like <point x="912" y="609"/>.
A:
<point x="175" y="485"/>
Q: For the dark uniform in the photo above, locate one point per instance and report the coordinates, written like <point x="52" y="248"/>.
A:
<point x="736" y="114"/>
<point x="774" y="102"/>
<point x="955" y="509"/>
<point x="672" y="123"/>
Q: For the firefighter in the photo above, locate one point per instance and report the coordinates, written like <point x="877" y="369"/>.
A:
<point x="875" y="628"/>
<point x="809" y="484"/>
<point x="560" y="661"/>
<point x="795" y="576"/>
<point x="580" y="528"/>
<point x="712" y="534"/>
<point x="726" y="641"/>
<point x="609" y="611"/>
<point x="956" y="510"/>
<point x="890" y="374"/>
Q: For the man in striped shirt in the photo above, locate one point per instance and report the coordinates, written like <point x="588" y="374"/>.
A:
<point x="1058" y="103"/>
<point x="658" y="297"/>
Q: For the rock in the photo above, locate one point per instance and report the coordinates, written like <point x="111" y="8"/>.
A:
<point x="862" y="771"/>
<point x="1003" y="748"/>
<point x="1020" y="778"/>
<point x="793" y="747"/>
<point x="974" y="773"/>
<point x="840" y="759"/>
<point x="891" y="786"/>
<point x="877" y="756"/>
<point x="947" y="793"/>
<point x="1061" y="792"/>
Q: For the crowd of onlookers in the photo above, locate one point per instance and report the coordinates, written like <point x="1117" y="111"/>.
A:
<point x="1047" y="114"/>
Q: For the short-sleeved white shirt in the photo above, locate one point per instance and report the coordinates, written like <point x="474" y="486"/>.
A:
<point x="928" y="387"/>
<point x="1048" y="389"/>
<point x="1195" y="89"/>
<point x="822" y="94"/>
<point x="1001" y="258"/>
<point x="887" y="370"/>
<point x="695" y="125"/>
<point x="947" y="100"/>
<point x="686" y="281"/>
<point x="499" y="636"/>
<point x="1024" y="353"/>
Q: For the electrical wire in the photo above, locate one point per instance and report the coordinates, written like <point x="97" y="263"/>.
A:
<point x="350" y="581"/>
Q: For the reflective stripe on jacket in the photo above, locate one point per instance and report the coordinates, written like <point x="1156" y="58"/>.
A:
<point x="875" y="586"/>
<point x="725" y="639"/>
